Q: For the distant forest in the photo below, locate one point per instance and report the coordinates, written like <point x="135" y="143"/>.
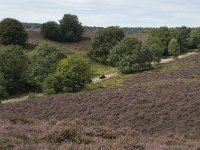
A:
<point x="127" y="30"/>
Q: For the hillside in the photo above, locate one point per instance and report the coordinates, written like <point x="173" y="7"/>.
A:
<point x="153" y="109"/>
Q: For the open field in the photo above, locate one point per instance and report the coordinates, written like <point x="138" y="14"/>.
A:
<point x="156" y="109"/>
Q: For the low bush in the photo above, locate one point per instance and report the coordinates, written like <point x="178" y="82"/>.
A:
<point x="72" y="74"/>
<point x="3" y="92"/>
<point x="65" y="133"/>
<point x="52" y="85"/>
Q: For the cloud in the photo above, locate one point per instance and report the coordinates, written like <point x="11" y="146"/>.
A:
<point x="106" y="12"/>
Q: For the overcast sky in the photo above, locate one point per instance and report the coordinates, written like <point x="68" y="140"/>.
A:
<point x="130" y="13"/>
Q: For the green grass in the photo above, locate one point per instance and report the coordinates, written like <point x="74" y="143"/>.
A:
<point x="111" y="82"/>
<point x="99" y="69"/>
<point x="171" y="66"/>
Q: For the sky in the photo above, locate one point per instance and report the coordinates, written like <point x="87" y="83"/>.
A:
<point x="124" y="13"/>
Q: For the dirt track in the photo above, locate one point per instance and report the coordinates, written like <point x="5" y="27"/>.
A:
<point x="163" y="61"/>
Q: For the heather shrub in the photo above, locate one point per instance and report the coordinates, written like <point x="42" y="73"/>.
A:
<point x="105" y="132"/>
<point x="63" y="132"/>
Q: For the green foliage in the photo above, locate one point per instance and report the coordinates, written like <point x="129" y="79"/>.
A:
<point x="13" y="64"/>
<point x="154" y="45"/>
<point x="52" y="84"/>
<point x="182" y="35"/>
<point x="174" y="48"/>
<point x="12" y="32"/>
<point x="3" y="92"/>
<point x="74" y="72"/>
<point x="43" y="61"/>
<point x="129" y="57"/>
<point x="103" y="42"/>
<point x="195" y="37"/>
<point x="164" y="35"/>
<point x="50" y="30"/>
<point x="70" y="27"/>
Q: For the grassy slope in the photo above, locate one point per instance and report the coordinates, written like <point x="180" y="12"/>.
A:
<point x="153" y="109"/>
<point x="80" y="48"/>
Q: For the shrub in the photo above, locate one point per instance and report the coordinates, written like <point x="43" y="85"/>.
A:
<point x="174" y="48"/>
<point x="13" y="64"/>
<point x="103" y="42"/>
<point x="43" y="61"/>
<point x="52" y="84"/>
<point x="50" y="30"/>
<point x="182" y="35"/>
<point x="12" y="32"/>
<point x="154" y="45"/>
<point x="3" y="92"/>
<point x="129" y="57"/>
<point x="195" y="37"/>
<point x="164" y="35"/>
<point x="70" y="27"/>
<point x="74" y="73"/>
<point x="63" y="132"/>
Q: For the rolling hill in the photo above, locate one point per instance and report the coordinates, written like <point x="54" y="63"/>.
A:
<point x="152" y="110"/>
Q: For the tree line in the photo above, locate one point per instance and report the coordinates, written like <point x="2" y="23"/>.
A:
<point x="111" y="47"/>
<point x="47" y="69"/>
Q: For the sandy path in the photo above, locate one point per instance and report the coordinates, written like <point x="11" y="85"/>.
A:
<point x="163" y="61"/>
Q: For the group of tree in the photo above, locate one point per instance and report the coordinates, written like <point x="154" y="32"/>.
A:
<point x="45" y="69"/>
<point x="69" y="29"/>
<point x="111" y="47"/>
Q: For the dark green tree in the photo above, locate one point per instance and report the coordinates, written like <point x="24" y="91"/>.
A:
<point x="43" y="61"/>
<point x="129" y="56"/>
<point x="164" y="35"/>
<point x="12" y="32"/>
<point x="13" y="64"/>
<point x="74" y="72"/>
<point x="3" y="92"/>
<point x="103" y="42"/>
<point x="154" y="45"/>
<point x="182" y="35"/>
<point x="174" y="48"/>
<point x="50" y="30"/>
<point x="195" y="37"/>
<point x="70" y="28"/>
